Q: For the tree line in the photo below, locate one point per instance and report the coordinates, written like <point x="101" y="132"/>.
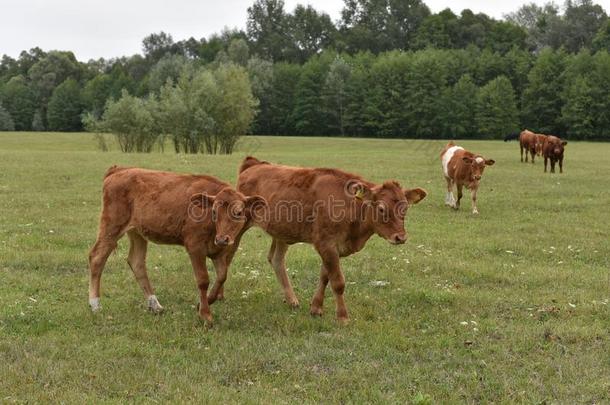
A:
<point x="385" y="69"/>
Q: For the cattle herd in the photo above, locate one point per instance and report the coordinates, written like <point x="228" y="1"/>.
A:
<point x="335" y="211"/>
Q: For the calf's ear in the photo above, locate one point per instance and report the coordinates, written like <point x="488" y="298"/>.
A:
<point x="357" y="189"/>
<point x="564" y="143"/>
<point x="490" y="162"/>
<point x="256" y="205"/>
<point x="467" y="160"/>
<point x="202" y="200"/>
<point x="415" y="195"/>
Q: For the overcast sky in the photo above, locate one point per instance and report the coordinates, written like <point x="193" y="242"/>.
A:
<point x="109" y="28"/>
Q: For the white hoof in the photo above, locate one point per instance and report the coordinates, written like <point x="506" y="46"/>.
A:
<point x="153" y="305"/>
<point x="94" y="303"/>
<point x="475" y="211"/>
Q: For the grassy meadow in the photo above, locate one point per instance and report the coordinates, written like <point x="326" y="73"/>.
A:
<point x="508" y="306"/>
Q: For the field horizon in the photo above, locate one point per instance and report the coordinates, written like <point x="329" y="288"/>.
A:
<point x="512" y="305"/>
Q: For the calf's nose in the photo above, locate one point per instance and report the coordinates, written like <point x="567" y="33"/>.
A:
<point x="477" y="177"/>
<point x="399" y="238"/>
<point x="222" y="240"/>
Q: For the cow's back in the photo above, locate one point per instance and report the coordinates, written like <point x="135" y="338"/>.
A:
<point x="298" y="198"/>
<point x="450" y="156"/>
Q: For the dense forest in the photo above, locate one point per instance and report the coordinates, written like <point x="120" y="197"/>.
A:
<point x="386" y="68"/>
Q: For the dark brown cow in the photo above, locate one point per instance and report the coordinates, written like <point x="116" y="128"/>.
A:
<point x="462" y="168"/>
<point x="553" y="150"/>
<point x="527" y="143"/>
<point x="201" y="213"/>
<point x="335" y="211"/>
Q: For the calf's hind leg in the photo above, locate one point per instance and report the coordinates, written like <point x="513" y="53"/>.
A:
<point x="137" y="263"/>
<point x="104" y="245"/>
<point x="449" y="199"/>
<point x="330" y="260"/>
<point x="277" y="258"/>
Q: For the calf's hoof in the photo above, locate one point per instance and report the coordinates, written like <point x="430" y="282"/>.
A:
<point x="292" y="302"/>
<point x="153" y="305"/>
<point x="94" y="303"/>
<point x="207" y="319"/>
<point x="343" y="320"/>
<point x="475" y="212"/>
<point x="315" y="310"/>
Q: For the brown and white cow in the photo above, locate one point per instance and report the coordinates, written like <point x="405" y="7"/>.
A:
<point x="201" y="213"/>
<point x="334" y="210"/>
<point x="553" y="150"/>
<point x="462" y="168"/>
<point x="527" y="143"/>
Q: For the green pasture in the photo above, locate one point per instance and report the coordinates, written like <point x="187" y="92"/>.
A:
<point x="508" y="306"/>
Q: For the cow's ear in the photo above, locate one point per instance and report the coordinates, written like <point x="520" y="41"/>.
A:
<point x="564" y="143"/>
<point x="202" y="200"/>
<point x="357" y="189"/>
<point x="415" y="195"/>
<point x="467" y="160"/>
<point x="256" y="204"/>
<point x="489" y="162"/>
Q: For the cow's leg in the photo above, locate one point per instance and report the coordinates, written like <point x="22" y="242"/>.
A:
<point x="449" y="199"/>
<point x="561" y="165"/>
<point x="552" y="165"/>
<point x="203" y="281"/>
<point x="221" y="264"/>
<point x="137" y="261"/>
<point x="546" y="160"/>
<point x="104" y="245"/>
<point x="277" y="258"/>
<point x="318" y="299"/>
<point x="533" y="152"/>
<point x="459" y="195"/>
<point x="521" y="149"/>
<point x="527" y="150"/>
<point x="474" y="200"/>
<point x="330" y="260"/>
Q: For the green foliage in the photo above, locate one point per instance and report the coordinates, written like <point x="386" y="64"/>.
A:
<point x="459" y="106"/>
<point x="38" y="121"/>
<point x="6" y="121"/>
<point x="496" y="109"/>
<point x="309" y="113"/>
<point x="20" y="101"/>
<point x="577" y="112"/>
<point x="335" y="89"/>
<point x="130" y="120"/>
<point x="169" y="67"/>
<point x="542" y="103"/>
<point x="65" y="108"/>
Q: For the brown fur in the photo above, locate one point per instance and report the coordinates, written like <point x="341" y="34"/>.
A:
<point x="464" y="170"/>
<point x="553" y="150"/>
<point x="313" y="191"/>
<point x="527" y="143"/>
<point x="170" y="208"/>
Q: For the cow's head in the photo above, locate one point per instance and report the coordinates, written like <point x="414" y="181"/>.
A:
<point x="558" y="148"/>
<point x="229" y="210"/>
<point x="389" y="203"/>
<point x="477" y="166"/>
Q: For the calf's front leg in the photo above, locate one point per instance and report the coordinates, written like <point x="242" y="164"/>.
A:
<point x="318" y="299"/>
<point x="203" y="282"/>
<point x="221" y="264"/>
<point x="330" y="261"/>
<point x="474" y="200"/>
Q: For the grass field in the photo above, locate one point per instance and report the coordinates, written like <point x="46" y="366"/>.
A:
<point x="509" y="306"/>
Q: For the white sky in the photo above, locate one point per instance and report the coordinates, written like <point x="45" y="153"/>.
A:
<point x="109" y="28"/>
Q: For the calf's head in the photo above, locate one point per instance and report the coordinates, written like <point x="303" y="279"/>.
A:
<point x="389" y="203"/>
<point x="229" y="210"/>
<point x="558" y="148"/>
<point x="477" y="166"/>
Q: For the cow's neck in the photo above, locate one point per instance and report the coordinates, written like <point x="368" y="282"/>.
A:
<point x="361" y="230"/>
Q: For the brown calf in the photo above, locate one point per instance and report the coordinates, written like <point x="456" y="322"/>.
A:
<point x="462" y="168"/>
<point x="553" y="150"/>
<point x="527" y="143"/>
<point x="335" y="211"/>
<point x="540" y="139"/>
<point x="201" y="213"/>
